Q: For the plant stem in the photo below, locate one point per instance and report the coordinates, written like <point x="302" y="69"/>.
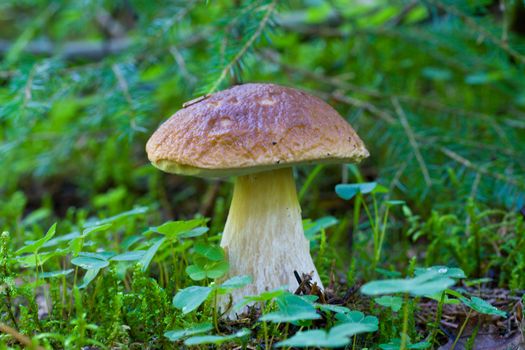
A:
<point x="215" y="322"/>
<point x="461" y="331"/>
<point x="382" y="236"/>
<point x="404" y="335"/>
<point x="438" y="319"/>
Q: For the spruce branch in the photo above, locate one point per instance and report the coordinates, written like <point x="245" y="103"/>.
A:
<point x="501" y="43"/>
<point x="270" y="8"/>
<point x="477" y="168"/>
<point x="413" y="142"/>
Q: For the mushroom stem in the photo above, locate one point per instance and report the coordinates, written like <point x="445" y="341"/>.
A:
<point x="264" y="235"/>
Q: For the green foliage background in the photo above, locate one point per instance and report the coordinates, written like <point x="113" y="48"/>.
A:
<point x="435" y="88"/>
<point x="448" y="76"/>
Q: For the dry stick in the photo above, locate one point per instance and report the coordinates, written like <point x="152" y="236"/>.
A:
<point x="468" y="164"/>
<point x="123" y="85"/>
<point x="182" y="64"/>
<point x="22" y="339"/>
<point x="365" y="105"/>
<point x="242" y="51"/>
<point x="29" y="86"/>
<point x="412" y="139"/>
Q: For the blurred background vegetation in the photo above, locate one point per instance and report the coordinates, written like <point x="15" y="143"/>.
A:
<point x="435" y="88"/>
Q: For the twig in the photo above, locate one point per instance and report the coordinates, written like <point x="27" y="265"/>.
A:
<point x="242" y="51"/>
<point x="83" y="49"/>
<point x="402" y="14"/>
<point x="182" y="64"/>
<point x="412" y="139"/>
<point x="22" y="339"/>
<point x="365" y="105"/>
<point x="468" y="164"/>
<point x="29" y="86"/>
<point x="123" y="85"/>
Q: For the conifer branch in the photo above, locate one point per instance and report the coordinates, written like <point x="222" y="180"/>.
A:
<point x="479" y="169"/>
<point x="413" y="142"/>
<point x="270" y="9"/>
<point x="502" y="44"/>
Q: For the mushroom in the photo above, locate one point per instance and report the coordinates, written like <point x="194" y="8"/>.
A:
<point x="258" y="132"/>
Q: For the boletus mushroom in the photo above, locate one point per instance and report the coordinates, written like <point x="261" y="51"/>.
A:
<point x="258" y="132"/>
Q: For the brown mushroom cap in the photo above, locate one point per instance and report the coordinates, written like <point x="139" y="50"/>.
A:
<point x="250" y="128"/>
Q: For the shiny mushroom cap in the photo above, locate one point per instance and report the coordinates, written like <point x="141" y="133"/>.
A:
<point x="250" y="128"/>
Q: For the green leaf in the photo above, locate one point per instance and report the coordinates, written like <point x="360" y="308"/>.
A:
<point x="189" y="299"/>
<point x="313" y="228"/>
<point x="52" y="274"/>
<point x="118" y="217"/>
<point x="129" y="256"/>
<point x="95" y="228"/>
<point x="209" y="251"/>
<point x="480" y="78"/>
<point x="195" y="272"/>
<point x="315" y="338"/>
<point x="217" y="269"/>
<point x="89" y="263"/>
<point x="350" y="329"/>
<point x="217" y="339"/>
<point x="482" y="306"/>
<point x="183" y="333"/>
<point x="36" y="216"/>
<point x="348" y="191"/>
<point x="236" y="282"/>
<point x="64" y="238"/>
<point x="445" y="299"/>
<point x="395" y="344"/>
<point x="378" y="189"/>
<point x="263" y="297"/>
<point x="291" y="308"/>
<point x="394" y="202"/>
<point x="36" y="245"/>
<point x="338" y="335"/>
<point x="196" y="232"/>
<point x="357" y="317"/>
<point x="75" y="245"/>
<point x="333" y="308"/>
<point x="89" y="277"/>
<point x="33" y="260"/>
<point x="98" y="255"/>
<point x="150" y="253"/>
<point x="429" y="283"/>
<point x="172" y="229"/>
<point x="392" y="302"/>
<point x="436" y="73"/>
<point x="319" y="13"/>
<point x="452" y="272"/>
<point x="204" y="268"/>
